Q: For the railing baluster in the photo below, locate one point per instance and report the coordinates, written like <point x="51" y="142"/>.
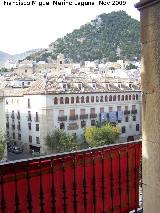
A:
<point x="84" y="185"/>
<point x="94" y="182"/>
<point x="112" y="182"/>
<point x="29" y="194"/>
<point x="120" y="186"/>
<point x="41" y="189"/>
<point x="16" y="192"/>
<point x="74" y="184"/>
<point x="103" y="189"/>
<point x="53" y="188"/>
<point x="3" y="203"/>
<point x="64" y="188"/>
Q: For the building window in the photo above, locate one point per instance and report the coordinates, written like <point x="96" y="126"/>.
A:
<point x="119" y="97"/>
<point x="118" y="108"/>
<point x="55" y="100"/>
<point x="19" y="136"/>
<point x="82" y="99"/>
<point x="92" y="99"/>
<point x="83" y="124"/>
<point x="12" y="115"/>
<point x="18" y="115"/>
<point x="92" y="110"/>
<point x="136" y="96"/>
<point x="101" y="109"/>
<point x="13" y="126"/>
<point x="37" y="127"/>
<point x="137" y="127"/>
<point x="134" y="117"/>
<point x="106" y="98"/>
<point x="97" y="99"/>
<point x="61" y="126"/>
<point x="72" y="100"/>
<point x="114" y="98"/>
<point x="29" y="103"/>
<point x="25" y="70"/>
<point x="30" y="139"/>
<point x="14" y="135"/>
<point x="110" y="109"/>
<point x="19" y="125"/>
<point x="101" y="99"/>
<point x="37" y="118"/>
<point x="87" y="99"/>
<point x="29" y="116"/>
<point x="6" y="102"/>
<point x="77" y="99"/>
<point x="126" y="118"/>
<point x="133" y="107"/>
<point x="122" y="98"/>
<point x="126" y="98"/>
<point x="133" y="97"/>
<point x="130" y="97"/>
<point x="7" y="125"/>
<point x="126" y="108"/>
<point x="29" y="126"/>
<point x="110" y="98"/>
<point x="66" y="100"/>
<point x="37" y="140"/>
<point x="123" y="129"/>
<point x="82" y="111"/>
<point x="61" y="100"/>
<point x="72" y="112"/>
<point x="93" y="122"/>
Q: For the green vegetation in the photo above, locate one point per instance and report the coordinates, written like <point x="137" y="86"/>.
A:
<point x="103" y="135"/>
<point x="60" y="141"/>
<point x="3" y="69"/>
<point x="99" y="39"/>
<point x="2" y="144"/>
<point x="131" y="66"/>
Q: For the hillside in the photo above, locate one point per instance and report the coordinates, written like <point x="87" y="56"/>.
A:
<point x="98" y="39"/>
<point x="3" y="57"/>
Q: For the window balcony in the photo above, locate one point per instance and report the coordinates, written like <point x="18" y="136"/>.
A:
<point x="134" y="111"/>
<point x="126" y="112"/>
<point x="104" y="179"/>
<point x="73" y="117"/>
<point x="62" y="118"/>
<point x="85" y="116"/>
<point x="93" y="115"/>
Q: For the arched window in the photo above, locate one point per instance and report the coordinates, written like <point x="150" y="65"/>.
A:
<point x="87" y="99"/>
<point x="122" y="98"/>
<point x="82" y="99"/>
<point x="126" y="98"/>
<point x="77" y="99"/>
<point x="61" y="100"/>
<point x="92" y="99"/>
<point x="110" y="98"/>
<point x="130" y="97"/>
<point x="72" y="100"/>
<point x="136" y="96"/>
<point x="97" y="99"/>
<point x="119" y="97"/>
<point x="106" y="98"/>
<point x="101" y="99"/>
<point x="114" y="98"/>
<point x="55" y="100"/>
<point x="133" y="97"/>
<point x="66" y="100"/>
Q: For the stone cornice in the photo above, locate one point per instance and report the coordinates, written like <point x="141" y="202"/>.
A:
<point x="142" y="5"/>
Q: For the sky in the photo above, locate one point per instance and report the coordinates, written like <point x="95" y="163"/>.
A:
<point x="32" y="26"/>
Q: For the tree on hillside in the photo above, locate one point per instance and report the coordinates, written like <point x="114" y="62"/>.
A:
<point x="100" y="136"/>
<point x="60" y="141"/>
<point x="2" y="144"/>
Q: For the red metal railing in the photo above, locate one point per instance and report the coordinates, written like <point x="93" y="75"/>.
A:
<point x="100" y="180"/>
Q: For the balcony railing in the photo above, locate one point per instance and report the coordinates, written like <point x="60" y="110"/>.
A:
<point x="104" y="179"/>
<point x="85" y="116"/>
<point x="73" y="117"/>
<point x="126" y="112"/>
<point x="93" y="115"/>
<point x="62" y="118"/>
<point x="134" y="111"/>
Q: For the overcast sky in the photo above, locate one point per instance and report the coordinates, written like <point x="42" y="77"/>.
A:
<point x="28" y="27"/>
